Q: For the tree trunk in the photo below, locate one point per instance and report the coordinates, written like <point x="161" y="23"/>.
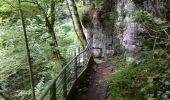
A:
<point x="27" y="49"/>
<point x="52" y="12"/>
<point x="77" y="22"/>
<point x="50" y="22"/>
<point x="50" y="26"/>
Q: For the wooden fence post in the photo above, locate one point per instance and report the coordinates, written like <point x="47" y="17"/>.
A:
<point x="75" y="65"/>
<point x="53" y="92"/>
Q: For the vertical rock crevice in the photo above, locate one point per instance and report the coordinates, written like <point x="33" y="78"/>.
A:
<point x="126" y="28"/>
<point x="100" y="23"/>
<point x="113" y="30"/>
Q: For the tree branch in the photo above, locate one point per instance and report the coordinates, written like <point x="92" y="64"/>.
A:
<point x="156" y="9"/>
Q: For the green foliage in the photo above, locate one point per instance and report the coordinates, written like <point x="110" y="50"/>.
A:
<point x="84" y="13"/>
<point x="14" y="72"/>
<point x="114" y="61"/>
<point x="39" y="87"/>
<point x="147" y="78"/>
<point x="113" y="18"/>
<point x="140" y="16"/>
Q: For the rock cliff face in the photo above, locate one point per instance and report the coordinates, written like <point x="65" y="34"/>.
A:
<point x="113" y="30"/>
<point x="126" y="27"/>
<point x="101" y="26"/>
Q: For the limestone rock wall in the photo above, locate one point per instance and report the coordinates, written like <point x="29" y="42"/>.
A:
<point x="113" y="31"/>
<point x="126" y="28"/>
<point x="101" y="27"/>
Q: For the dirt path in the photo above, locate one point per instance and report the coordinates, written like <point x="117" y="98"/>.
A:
<point x="98" y="84"/>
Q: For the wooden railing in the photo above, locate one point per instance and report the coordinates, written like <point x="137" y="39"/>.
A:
<point x="60" y="86"/>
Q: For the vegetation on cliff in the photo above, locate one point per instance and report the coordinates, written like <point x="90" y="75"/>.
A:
<point x="54" y="27"/>
<point x="148" y="77"/>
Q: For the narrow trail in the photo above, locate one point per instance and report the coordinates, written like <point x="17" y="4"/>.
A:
<point x="98" y="85"/>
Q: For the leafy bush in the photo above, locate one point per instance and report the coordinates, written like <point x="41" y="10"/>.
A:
<point x="148" y="78"/>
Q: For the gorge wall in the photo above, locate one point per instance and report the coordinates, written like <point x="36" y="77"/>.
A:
<point x="100" y="23"/>
<point x="112" y="31"/>
<point x="112" y="28"/>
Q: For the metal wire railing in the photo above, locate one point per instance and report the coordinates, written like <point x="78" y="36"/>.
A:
<point x="60" y="86"/>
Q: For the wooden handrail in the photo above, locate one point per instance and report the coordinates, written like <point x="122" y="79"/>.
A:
<point x="51" y="84"/>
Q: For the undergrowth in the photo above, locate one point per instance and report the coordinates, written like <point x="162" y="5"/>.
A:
<point x="148" y="78"/>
